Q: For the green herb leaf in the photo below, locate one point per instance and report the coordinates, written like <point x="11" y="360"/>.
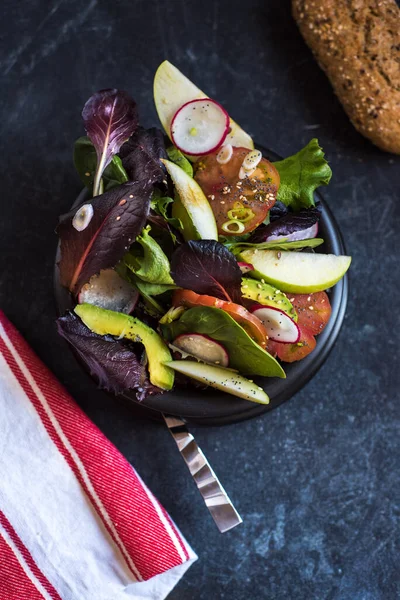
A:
<point x="160" y="205"/>
<point x="244" y="354"/>
<point x="148" y="290"/>
<point x="236" y="248"/>
<point x="301" y="174"/>
<point x="85" y="160"/>
<point x="152" y="289"/>
<point x="179" y="159"/>
<point x="147" y="260"/>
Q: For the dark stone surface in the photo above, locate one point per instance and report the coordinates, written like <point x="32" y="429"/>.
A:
<point x="315" y="481"/>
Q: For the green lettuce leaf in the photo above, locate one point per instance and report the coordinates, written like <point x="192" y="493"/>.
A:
<point x="301" y="174"/>
<point x="237" y="247"/>
<point x="160" y="205"/>
<point x="179" y="159"/>
<point x="85" y="160"/>
<point x="152" y="289"/>
<point x="147" y="260"/>
<point x="244" y="354"/>
<point x="147" y="291"/>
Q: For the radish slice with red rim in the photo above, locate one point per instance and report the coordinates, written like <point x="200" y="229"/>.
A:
<point x="200" y="127"/>
<point x="202" y="347"/>
<point x="245" y="267"/>
<point x="108" y="290"/>
<point x="280" y="327"/>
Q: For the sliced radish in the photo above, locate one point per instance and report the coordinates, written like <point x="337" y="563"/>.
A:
<point x="245" y="267"/>
<point x="108" y="290"/>
<point x="280" y="327"/>
<point x="199" y="127"/>
<point x="202" y="347"/>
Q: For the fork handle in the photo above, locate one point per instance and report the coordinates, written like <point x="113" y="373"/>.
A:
<point x="217" y="500"/>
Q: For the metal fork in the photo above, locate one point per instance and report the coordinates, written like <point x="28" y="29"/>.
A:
<point x="217" y="500"/>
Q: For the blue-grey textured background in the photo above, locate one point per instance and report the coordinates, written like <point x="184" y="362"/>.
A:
<point x="316" y="481"/>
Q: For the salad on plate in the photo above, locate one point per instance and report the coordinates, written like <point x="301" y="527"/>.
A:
<point x="191" y="258"/>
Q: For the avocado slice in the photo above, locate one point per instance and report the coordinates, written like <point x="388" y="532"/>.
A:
<point x="222" y="379"/>
<point x="108" y="322"/>
<point x="267" y="294"/>
<point x="191" y="206"/>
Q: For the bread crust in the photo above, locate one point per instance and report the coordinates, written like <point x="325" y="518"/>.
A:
<point x="357" y="44"/>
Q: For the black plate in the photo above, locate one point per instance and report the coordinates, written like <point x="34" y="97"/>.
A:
<point x="217" y="408"/>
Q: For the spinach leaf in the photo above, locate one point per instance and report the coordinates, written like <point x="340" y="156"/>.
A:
<point x="85" y="160"/>
<point x="244" y="354"/>
<point x="110" y="117"/>
<point x="207" y="267"/>
<point x="301" y="174"/>
<point x="147" y="260"/>
<point x="179" y="159"/>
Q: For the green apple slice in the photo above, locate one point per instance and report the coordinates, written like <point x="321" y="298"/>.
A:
<point x="296" y="272"/>
<point x="172" y="90"/>
<point x="191" y="206"/>
<point x="222" y="379"/>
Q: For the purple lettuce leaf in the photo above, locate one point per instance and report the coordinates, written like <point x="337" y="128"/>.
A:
<point x="278" y="210"/>
<point x="207" y="267"/>
<point x="118" y="217"/>
<point x="141" y="155"/>
<point x="115" y="366"/>
<point x="110" y="118"/>
<point x="291" y="226"/>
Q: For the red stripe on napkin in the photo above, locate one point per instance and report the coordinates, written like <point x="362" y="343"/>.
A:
<point x="142" y="530"/>
<point x="22" y="577"/>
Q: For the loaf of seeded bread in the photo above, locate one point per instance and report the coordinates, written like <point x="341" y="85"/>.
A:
<point x="357" y="44"/>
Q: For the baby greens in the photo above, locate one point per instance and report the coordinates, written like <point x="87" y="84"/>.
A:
<point x="147" y="260"/>
<point x="118" y="217"/>
<point x="160" y="205"/>
<point x="110" y="117"/>
<point x="85" y="160"/>
<point x="302" y="224"/>
<point x="179" y="159"/>
<point x="141" y="156"/>
<point x="114" y="364"/>
<point x="301" y="174"/>
<point x="207" y="267"/>
<point x="237" y="247"/>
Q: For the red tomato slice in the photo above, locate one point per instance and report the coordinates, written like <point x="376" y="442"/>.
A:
<point x="247" y="200"/>
<point x="313" y="310"/>
<point x="293" y="352"/>
<point x="241" y="315"/>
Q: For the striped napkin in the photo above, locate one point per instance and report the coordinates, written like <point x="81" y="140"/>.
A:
<point x="76" y="520"/>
